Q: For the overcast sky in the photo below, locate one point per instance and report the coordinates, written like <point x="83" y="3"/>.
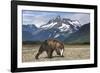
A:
<point x="39" y="18"/>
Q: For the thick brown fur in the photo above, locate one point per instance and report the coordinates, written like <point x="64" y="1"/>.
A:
<point x="49" y="46"/>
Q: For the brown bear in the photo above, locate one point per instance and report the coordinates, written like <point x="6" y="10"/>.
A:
<point x="49" y="46"/>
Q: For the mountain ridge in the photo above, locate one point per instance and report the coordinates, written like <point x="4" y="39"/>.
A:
<point x="58" y="28"/>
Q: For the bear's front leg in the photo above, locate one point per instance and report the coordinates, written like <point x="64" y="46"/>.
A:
<point x="37" y="55"/>
<point x="49" y="53"/>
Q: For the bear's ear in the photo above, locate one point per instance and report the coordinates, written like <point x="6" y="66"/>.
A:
<point x="45" y="40"/>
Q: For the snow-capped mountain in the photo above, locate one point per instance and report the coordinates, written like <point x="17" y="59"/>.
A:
<point x="58" y="28"/>
<point x="63" y="24"/>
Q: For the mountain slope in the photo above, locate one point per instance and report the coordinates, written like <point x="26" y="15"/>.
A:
<point x="29" y="28"/>
<point x="81" y="36"/>
<point x="27" y="31"/>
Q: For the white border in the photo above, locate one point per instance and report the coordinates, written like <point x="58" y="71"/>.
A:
<point x="53" y="63"/>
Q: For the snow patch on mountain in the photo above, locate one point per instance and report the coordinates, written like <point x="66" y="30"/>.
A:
<point x="48" y="26"/>
<point x="64" y="27"/>
<point x="50" y="35"/>
<point x="75" y="23"/>
<point x="57" y="35"/>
